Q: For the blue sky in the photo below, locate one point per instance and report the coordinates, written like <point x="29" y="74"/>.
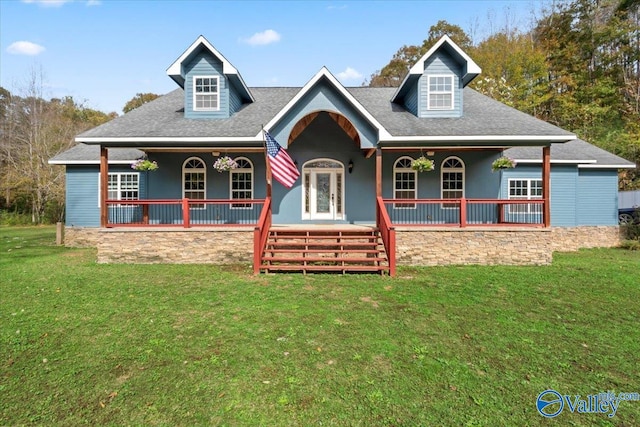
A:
<point x="103" y="52"/>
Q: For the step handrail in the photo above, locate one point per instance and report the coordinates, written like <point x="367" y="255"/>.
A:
<point x="261" y="234"/>
<point x="387" y="233"/>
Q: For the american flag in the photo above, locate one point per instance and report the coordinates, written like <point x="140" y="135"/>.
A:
<point x="282" y="167"/>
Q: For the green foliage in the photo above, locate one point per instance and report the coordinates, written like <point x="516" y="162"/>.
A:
<point x="32" y="131"/>
<point x="138" y="100"/>
<point x="392" y="74"/>
<point x="576" y="68"/>
<point x="195" y="345"/>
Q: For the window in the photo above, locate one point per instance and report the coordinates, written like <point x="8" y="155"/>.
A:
<point x="452" y="178"/>
<point x="440" y="93"/>
<point x="242" y="183"/>
<point x="122" y="186"/>
<point x="206" y="93"/>
<point x="525" y="189"/>
<point x="405" y="183"/>
<point x="194" y="178"/>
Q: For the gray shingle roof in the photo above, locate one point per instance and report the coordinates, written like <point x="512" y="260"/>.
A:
<point x="164" y="117"/>
<point x="483" y="116"/>
<point x="90" y="154"/>
<point x="572" y="151"/>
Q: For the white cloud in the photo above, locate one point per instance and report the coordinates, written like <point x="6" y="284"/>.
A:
<point x="94" y="3"/>
<point x="25" y="48"/>
<point x="47" y="3"/>
<point x="349" y="74"/>
<point x="265" y="37"/>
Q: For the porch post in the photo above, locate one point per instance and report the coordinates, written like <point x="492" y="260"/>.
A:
<point x="378" y="172"/>
<point x="546" y="185"/>
<point x="104" y="185"/>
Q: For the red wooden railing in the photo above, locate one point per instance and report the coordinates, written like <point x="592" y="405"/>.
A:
<point x="388" y="234"/>
<point x="184" y="213"/>
<point x="261" y="234"/>
<point x="465" y="212"/>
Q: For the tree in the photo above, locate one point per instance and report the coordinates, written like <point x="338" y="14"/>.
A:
<point x="392" y="74"/>
<point x="32" y="131"/>
<point x="513" y="71"/>
<point x="138" y="100"/>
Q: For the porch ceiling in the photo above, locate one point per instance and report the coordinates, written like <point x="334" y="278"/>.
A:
<point x="342" y="121"/>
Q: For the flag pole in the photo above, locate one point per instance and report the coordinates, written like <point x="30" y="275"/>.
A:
<point x="266" y="162"/>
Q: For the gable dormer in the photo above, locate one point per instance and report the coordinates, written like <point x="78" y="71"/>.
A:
<point x="213" y="88"/>
<point x="434" y="85"/>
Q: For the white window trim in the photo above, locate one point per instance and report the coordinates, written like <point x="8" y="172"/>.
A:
<point x="444" y="170"/>
<point x="528" y="197"/>
<point x="203" y="170"/>
<point x="429" y="92"/>
<point x="415" y="179"/>
<point x="241" y="170"/>
<point x="195" y="94"/>
<point x="119" y="174"/>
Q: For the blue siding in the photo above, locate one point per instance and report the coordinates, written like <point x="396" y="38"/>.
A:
<point x="82" y="195"/>
<point x="597" y="197"/>
<point x="205" y="64"/>
<point x="235" y="102"/>
<point x="323" y="138"/>
<point x="480" y="182"/>
<point x="564" y="190"/>
<point x="440" y="64"/>
<point x="411" y="100"/>
<point x="323" y="97"/>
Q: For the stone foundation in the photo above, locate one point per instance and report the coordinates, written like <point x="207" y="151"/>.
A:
<point x="414" y="246"/>
<point x="81" y="237"/>
<point x="430" y="247"/>
<point x="176" y="246"/>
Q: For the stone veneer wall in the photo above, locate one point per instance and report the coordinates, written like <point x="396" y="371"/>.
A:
<point x="177" y="246"/>
<point x="414" y="246"/>
<point x="81" y="237"/>
<point x="420" y="246"/>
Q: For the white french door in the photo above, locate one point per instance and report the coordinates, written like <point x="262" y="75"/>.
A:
<point x="324" y="190"/>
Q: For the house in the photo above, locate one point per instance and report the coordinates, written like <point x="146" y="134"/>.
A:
<point x="358" y="203"/>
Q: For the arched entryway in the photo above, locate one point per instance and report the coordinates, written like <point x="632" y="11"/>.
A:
<point x="323" y="190"/>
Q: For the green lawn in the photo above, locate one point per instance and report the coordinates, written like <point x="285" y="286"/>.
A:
<point x="176" y="345"/>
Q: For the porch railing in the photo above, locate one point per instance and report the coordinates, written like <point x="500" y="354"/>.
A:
<point x="388" y="234"/>
<point x="183" y="212"/>
<point x="465" y="212"/>
<point x="261" y="234"/>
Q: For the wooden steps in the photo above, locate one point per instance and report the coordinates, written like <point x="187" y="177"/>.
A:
<point x="324" y="250"/>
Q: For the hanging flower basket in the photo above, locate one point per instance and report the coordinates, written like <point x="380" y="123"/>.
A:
<point x="502" y="163"/>
<point x="225" y="164"/>
<point x="422" y="164"/>
<point x="144" y="165"/>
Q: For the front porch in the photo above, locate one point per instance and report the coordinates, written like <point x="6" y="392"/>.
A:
<point x="414" y="245"/>
<point x="250" y="220"/>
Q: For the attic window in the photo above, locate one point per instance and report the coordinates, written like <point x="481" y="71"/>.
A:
<point x="440" y="92"/>
<point x="206" y="93"/>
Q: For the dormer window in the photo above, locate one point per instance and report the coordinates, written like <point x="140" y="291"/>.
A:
<point x="206" y="93"/>
<point x="440" y="92"/>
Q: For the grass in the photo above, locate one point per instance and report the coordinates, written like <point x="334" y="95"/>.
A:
<point x="176" y="345"/>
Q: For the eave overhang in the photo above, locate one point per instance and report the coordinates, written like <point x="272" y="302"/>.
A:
<point x="186" y="141"/>
<point x="324" y="73"/>
<point x="489" y="140"/>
